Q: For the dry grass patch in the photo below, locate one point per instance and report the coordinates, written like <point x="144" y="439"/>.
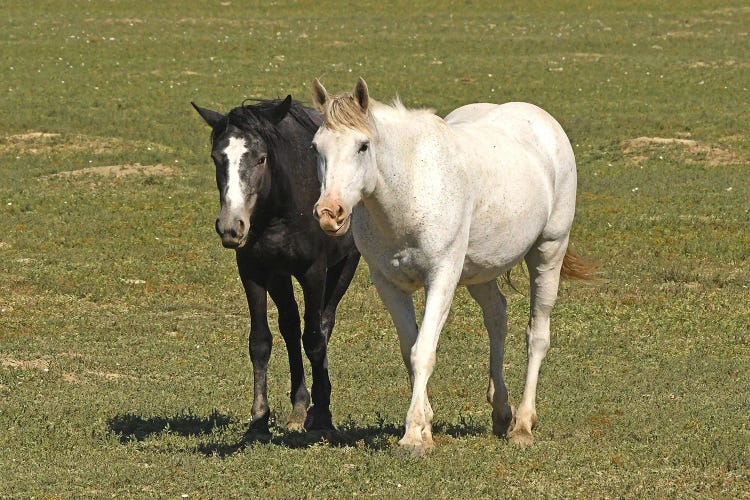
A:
<point x="116" y="171"/>
<point x="689" y="151"/>
<point x="35" y="142"/>
<point x="39" y="364"/>
<point x="107" y="375"/>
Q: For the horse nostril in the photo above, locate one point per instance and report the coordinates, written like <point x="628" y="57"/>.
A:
<point x="340" y="212"/>
<point x="238" y="229"/>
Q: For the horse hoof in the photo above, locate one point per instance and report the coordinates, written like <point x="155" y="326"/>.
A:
<point x="319" y="420"/>
<point x="521" y="437"/>
<point x="414" y="449"/>
<point x="259" y="423"/>
<point x="256" y="436"/>
<point x="257" y="430"/>
<point x="502" y="424"/>
<point x="296" y="421"/>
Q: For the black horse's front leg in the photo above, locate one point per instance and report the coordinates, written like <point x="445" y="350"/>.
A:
<point x="254" y="282"/>
<point x="338" y="278"/>
<point x="282" y="293"/>
<point x="315" y="342"/>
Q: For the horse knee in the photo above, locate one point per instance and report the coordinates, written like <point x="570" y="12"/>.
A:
<point x="539" y="344"/>
<point x="259" y="345"/>
<point x="289" y="324"/>
<point x="315" y="345"/>
<point x="327" y="323"/>
<point x="420" y="363"/>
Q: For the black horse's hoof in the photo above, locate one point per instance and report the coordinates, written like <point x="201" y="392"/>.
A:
<point x="319" y="420"/>
<point x="258" y="429"/>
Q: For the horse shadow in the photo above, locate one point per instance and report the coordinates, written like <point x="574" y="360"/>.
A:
<point x="380" y="436"/>
<point x="129" y="427"/>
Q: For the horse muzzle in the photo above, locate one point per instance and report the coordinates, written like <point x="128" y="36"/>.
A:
<point x="233" y="232"/>
<point x="333" y="218"/>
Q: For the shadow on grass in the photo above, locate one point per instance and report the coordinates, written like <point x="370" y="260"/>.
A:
<point x="129" y="427"/>
<point x="376" y="437"/>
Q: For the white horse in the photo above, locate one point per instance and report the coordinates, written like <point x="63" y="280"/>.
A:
<point x="437" y="203"/>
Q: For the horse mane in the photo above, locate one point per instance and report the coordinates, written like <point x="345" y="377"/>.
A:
<point x="342" y="111"/>
<point x="255" y="118"/>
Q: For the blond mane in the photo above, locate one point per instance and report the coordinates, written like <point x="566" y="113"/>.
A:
<point x="342" y="111"/>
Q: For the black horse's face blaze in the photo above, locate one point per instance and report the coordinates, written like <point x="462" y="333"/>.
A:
<point x="241" y="160"/>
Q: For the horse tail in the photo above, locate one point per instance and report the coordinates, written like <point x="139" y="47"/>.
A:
<point x="575" y="267"/>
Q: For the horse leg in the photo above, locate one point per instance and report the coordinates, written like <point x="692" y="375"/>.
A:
<point x="439" y="291"/>
<point x="401" y="307"/>
<point x="259" y="342"/>
<point x="282" y="293"/>
<point x="315" y="342"/>
<point x="338" y="278"/>
<point x="337" y="281"/>
<point x="493" y="305"/>
<point x="544" y="261"/>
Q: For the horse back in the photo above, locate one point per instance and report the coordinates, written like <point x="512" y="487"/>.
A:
<point x="524" y="166"/>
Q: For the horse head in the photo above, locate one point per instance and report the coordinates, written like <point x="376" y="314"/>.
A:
<point x="241" y="152"/>
<point x="346" y="163"/>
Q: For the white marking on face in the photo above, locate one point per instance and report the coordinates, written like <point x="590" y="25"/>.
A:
<point x="235" y="151"/>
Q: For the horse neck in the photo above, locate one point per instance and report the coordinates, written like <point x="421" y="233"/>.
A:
<point x="390" y="204"/>
<point x="396" y="150"/>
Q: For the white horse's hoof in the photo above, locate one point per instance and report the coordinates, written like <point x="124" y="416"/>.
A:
<point x="415" y="448"/>
<point x="521" y="437"/>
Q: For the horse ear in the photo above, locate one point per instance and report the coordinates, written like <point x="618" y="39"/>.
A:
<point x="319" y="94"/>
<point x="211" y="117"/>
<point x="279" y="112"/>
<point x="361" y="94"/>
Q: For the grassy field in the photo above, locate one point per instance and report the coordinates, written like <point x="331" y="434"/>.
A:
<point x="123" y="327"/>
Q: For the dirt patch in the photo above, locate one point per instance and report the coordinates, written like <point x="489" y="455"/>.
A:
<point x="107" y="375"/>
<point x="71" y="378"/>
<point x="30" y="136"/>
<point x="586" y="56"/>
<point x="116" y="171"/>
<point x="683" y="35"/>
<point x="34" y="142"/>
<point x="730" y="62"/>
<point x="25" y="364"/>
<point x="730" y="11"/>
<point x="125" y="20"/>
<point x="690" y="151"/>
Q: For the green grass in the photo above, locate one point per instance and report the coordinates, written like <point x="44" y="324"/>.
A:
<point x="123" y="326"/>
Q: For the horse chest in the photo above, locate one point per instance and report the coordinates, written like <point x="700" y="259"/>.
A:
<point x="281" y="247"/>
<point x="405" y="268"/>
<point x="403" y="265"/>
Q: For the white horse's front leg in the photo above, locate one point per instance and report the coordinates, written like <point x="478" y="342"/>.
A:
<point x="439" y="295"/>
<point x="401" y="307"/>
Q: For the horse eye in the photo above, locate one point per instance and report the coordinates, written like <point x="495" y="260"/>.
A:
<point x="364" y="147"/>
<point x="262" y="159"/>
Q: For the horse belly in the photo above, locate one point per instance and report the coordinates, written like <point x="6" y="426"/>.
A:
<point x="510" y="215"/>
<point x="495" y="251"/>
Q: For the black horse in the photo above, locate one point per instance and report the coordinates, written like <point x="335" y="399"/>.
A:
<point x="266" y="173"/>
